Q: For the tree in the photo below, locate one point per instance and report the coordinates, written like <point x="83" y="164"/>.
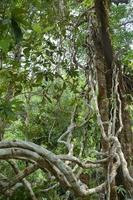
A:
<point x="65" y="88"/>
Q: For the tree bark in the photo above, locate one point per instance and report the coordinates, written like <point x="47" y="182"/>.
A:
<point x="104" y="66"/>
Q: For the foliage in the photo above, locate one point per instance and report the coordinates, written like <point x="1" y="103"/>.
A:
<point x="41" y="80"/>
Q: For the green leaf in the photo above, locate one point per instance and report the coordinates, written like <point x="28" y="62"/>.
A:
<point x="17" y="11"/>
<point x="16" y="30"/>
<point x="36" y="3"/>
<point x="88" y="3"/>
<point x="49" y="28"/>
<point x="37" y="28"/>
<point x="26" y="52"/>
<point x="4" y="44"/>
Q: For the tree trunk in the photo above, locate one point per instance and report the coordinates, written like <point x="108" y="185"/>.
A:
<point x="104" y="67"/>
<point x="126" y="139"/>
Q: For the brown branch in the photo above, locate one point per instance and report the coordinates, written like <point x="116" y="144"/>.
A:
<point x="20" y="176"/>
<point x="24" y="181"/>
<point x="46" y="160"/>
<point x="84" y="164"/>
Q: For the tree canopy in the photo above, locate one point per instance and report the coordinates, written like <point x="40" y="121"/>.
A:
<point x="66" y="113"/>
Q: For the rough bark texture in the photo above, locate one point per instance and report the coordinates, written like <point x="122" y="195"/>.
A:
<point x="126" y="139"/>
<point x="104" y="60"/>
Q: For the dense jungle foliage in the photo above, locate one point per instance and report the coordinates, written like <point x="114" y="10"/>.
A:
<point x="46" y="97"/>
